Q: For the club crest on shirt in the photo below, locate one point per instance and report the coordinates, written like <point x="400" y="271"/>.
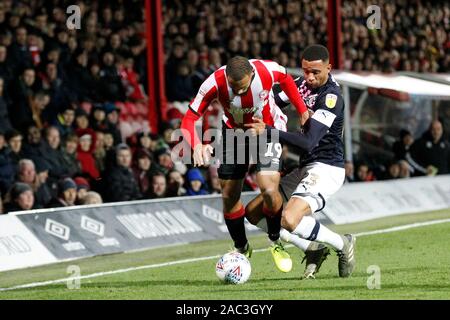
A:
<point x="263" y="95"/>
<point x="330" y="100"/>
<point x="310" y="101"/>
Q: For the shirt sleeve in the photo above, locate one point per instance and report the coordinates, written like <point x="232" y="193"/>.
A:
<point x="328" y="106"/>
<point x="305" y="140"/>
<point x="287" y="84"/>
<point x="280" y="97"/>
<point x="206" y="94"/>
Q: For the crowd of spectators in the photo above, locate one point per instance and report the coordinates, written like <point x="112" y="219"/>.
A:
<point x="63" y="96"/>
<point x="65" y="93"/>
<point x="428" y="155"/>
<point x="413" y="36"/>
<point x="201" y="35"/>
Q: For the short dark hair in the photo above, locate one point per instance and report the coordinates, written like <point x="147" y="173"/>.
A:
<point x="12" y="134"/>
<point x="316" y="52"/>
<point x="238" y="67"/>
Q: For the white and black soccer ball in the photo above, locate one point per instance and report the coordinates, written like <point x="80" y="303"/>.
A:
<point x="234" y="268"/>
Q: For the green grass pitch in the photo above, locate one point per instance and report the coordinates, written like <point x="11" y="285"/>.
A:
<point x="413" y="264"/>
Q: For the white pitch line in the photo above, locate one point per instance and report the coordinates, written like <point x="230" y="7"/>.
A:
<point x="171" y="263"/>
<point x="404" y="227"/>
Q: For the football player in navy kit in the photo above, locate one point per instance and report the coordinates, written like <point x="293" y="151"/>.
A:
<point x="321" y="172"/>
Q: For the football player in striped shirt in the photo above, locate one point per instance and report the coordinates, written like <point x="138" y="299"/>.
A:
<point x="243" y="87"/>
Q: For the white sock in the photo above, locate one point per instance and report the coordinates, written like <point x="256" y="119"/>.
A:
<point x="286" y="236"/>
<point x="309" y="228"/>
<point x="300" y="243"/>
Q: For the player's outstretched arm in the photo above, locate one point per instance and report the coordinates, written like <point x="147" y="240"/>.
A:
<point x="202" y="152"/>
<point x="206" y="94"/>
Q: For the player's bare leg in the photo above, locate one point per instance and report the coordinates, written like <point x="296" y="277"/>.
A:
<point x="234" y="213"/>
<point x="269" y="206"/>
<point x="268" y="182"/>
<point x="296" y="218"/>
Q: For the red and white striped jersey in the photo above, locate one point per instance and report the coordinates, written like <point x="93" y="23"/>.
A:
<point x="257" y="101"/>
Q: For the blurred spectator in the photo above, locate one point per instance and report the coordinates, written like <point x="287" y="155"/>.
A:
<point x="364" y="173"/>
<point x="98" y="118"/>
<point x="14" y="141"/>
<point x="181" y="89"/>
<point x="44" y="194"/>
<point x="67" y="194"/>
<point x="64" y="121"/>
<point x="6" y="71"/>
<point x="81" y="119"/>
<point x="5" y="123"/>
<point x="214" y="181"/>
<point x="112" y="118"/>
<point x="21" y="93"/>
<point x="83" y="188"/>
<point x="393" y="171"/>
<point x="401" y="146"/>
<point x="144" y="168"/>
<point x="27" y="174"/>
<point x="19" y="53"/>
<point x="92" y="197"/>
<point x="349" y="171"/>
<point x="79" y="80"/>
<point x="100" y="152"/>
<point x="144" y="141"/>
<point x="405" y="169"/>
<point x="158" y="187"/>
<point x="21" y="198"/>
<point x="86" y="146"/>
<point x="111" y="78"/>
<point x="120" y="184"/>
<point x="59" y="94"/>
<point x="33" y="145"/>
<point x="52" y="154"/>
<point x="130" y="81"/>
<point x="430" y="154"/>
<point x="69" y="154"/>
<point x="175" y="184"/>
<point x="38" y="103"/>
<point x="196" y="183"/>
<point x="7" y="166"/>
<point x="175" y="116"/>
<point x="166" y="163"/>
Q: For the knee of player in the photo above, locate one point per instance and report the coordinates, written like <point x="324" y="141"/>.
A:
<point x="269" y="194"/>
<point x="289" y="220"/>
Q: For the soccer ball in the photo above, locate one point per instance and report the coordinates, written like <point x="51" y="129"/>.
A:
<point x="234" y="268"/>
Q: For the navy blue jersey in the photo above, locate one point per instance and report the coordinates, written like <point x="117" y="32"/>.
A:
<point x="321" y="139"/>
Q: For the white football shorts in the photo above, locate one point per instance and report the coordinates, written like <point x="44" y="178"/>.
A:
<point x="314" y="183"/>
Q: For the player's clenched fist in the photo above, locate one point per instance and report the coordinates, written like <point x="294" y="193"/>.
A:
<point x="202" y="154"/>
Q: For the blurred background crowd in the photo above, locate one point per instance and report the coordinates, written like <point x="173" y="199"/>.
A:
<point x="73" y="110"/>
